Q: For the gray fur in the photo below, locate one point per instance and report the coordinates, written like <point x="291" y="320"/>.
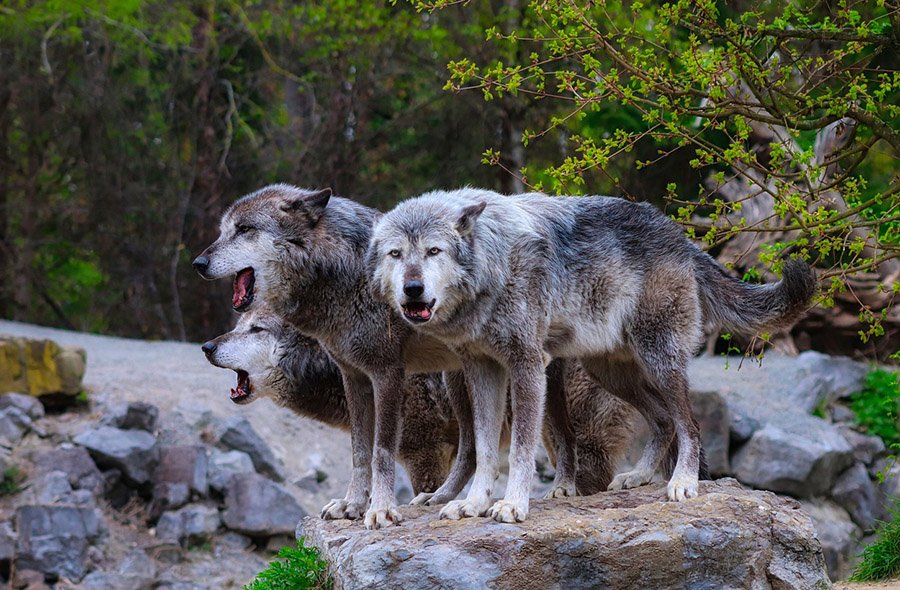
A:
<point x="509" y="282"/>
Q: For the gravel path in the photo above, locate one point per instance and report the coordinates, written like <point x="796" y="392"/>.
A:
<point x="165" y="373"/>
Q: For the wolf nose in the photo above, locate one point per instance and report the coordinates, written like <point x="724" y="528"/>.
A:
<point x="201" y="263"/>
<point x="208" y="347"/>
<point x="413" y="288"/>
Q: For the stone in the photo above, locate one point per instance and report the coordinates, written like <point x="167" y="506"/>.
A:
<point x="843" y="414"/>
<point x="275" y="543"/>
<point x="837" y="534"/>
<point x="224" y="465"/>
<point x="40" y="367"/>
<point x="856" y="493"/>
<point x="234" y="541"/>
<point x="51" y="488"/>
<point x="168" y="496"/>
<point x="7" y="544"/>
<point x="727" y="537"/>
<point x="181" y="473"/>
<point x="31" y="406"/>
<point x="236" y="433"/>
<point x="116" y="581"/>
<point x="134" y="452"/>
<point x="14" y="425"/>
<point x="803" y="461"/>
<point x="76" y="463"/>
<point x="133" y="416"/>
<point x="136" y="562"/>
<point x="257" y="506"/>
<point x="712" y="415"/>
<point x="189" y="524"/>
<point x="887" y="473"/>
<point x="55" y="539"/>
<point x="194" y="414"/>
<point x="866" y="448"/>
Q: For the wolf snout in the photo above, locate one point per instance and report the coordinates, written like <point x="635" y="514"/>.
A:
<point x="201" y="264"/>
<point x="209" y="347"/>
<point x="413" y="288"/>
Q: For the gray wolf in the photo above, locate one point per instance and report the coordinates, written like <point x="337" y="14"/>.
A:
<point x="510" y="282"/>
<point x="272" y="359"/>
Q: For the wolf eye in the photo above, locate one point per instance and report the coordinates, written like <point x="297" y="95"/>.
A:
<point x="256" y="329"/>
<point x="394" y="253"/>
<point x="243" y="228"/>
<point x="434" y="251"/>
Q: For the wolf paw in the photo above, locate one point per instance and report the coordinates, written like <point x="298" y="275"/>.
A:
<point x="506" y="511"/>
<point x="630" y="479"/>
<point x="561" y="490"/>
<point x="422" y="499"/>
<point x="458" y="509"/>
<point x="340" y="508"/>
<point x="681" y="488"/>
<point x="379" y="518"/>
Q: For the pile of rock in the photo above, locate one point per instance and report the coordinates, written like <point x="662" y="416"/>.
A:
<point x="758" y="426"/>
<point x="188" y="492"/>
<point x="40" y="368"/>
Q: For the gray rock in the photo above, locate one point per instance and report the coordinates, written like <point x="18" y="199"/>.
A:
<point x="712" y="414"/>
<point x="116" y="581"/>
<point x="887" y="473"/>
<point x="842" y="414"/>
<point x="14" y="425"/>
<point x="275" y="543"/>
<point x="55" y="539"/>
<point x="7" y="544"/>
<point x="856" y="493"/>
<point x="866" y="448"/>
<point x="191" y="523"/>
<point x="235" y="432"/>
<point x="28" y="404"/>
<point x="803" y="461"/>
<point x="224" y="465"/>
<point x="134" y="452"/>
<point x="133" y="415"/>
<point x="194" y="414"/>
<point x="168" y="496"/>
<point x="181" y="473"/>
<point x="136" y="562"/>
<point x="257" y="506"/>
<point x="233" y="541"/>
<point x="76" y="463"/>
<point x="51" y="487"/>
<point x="728" y="537"/>
<point x="837" y="534"/>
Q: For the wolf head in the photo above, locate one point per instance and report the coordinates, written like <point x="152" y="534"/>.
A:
<point x="251" y="350"/>
<point x="421" y="256"/>
<point x="258" y="232"/>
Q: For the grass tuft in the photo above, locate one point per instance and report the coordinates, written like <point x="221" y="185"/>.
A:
<point x="876" y="406"/>
<point x="300" y="568"/>
<point x="881" y="559"/>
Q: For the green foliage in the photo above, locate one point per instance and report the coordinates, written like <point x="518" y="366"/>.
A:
<point x="12" y="481"/>
<point x="881" y="559"/>
<point x="877" y="404"/>
<point x="297" y="568"/>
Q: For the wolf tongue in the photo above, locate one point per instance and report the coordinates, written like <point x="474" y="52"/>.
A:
<point x="241" y="282"/>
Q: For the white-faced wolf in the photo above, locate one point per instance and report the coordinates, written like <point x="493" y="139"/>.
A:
<point x="302" y="253"/>
<point x="272" y="359"/>
<point x="510" y="282"/>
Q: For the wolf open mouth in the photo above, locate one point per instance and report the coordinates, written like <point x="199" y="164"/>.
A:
<point x="418" y="311"/>
<point x="242" y="296"/>
<point x="243" y="390"/>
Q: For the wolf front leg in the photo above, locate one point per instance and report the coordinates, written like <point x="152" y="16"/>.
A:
<point x="486" y="382"/>
<point x="529" y="386"/>
<point x="360" y="406"/>
<point x="388" y="421"/>
<point x="464" y="464"/>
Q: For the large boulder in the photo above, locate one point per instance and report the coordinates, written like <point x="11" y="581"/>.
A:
<point x="803" y="460"/>
<point x="856" y="493"/>
<point x="259" y="507"/>
<point x="235" y="432"/>
<point x="839" y="537"/>
<point x="54" y="540"/>
<point x="40" y="367"/>
<point x="134" y="452"/>
<point x="728" y="537"/>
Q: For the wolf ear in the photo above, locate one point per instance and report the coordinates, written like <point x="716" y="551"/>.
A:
<point x="312" y="204"/>
<point x="466" y="222"/>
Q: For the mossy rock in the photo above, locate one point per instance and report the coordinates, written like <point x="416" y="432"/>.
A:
<point x="40" y="367"/>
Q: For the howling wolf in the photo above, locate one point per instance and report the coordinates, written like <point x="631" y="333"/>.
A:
<point x="511" y="282"/>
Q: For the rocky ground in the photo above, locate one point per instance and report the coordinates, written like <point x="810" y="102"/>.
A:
<point x="165" y="439"/>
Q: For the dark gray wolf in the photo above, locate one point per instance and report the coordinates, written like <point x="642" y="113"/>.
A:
<point x="272" y="359"/>
<point x="510" y="282"/>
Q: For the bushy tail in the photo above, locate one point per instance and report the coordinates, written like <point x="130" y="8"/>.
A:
<point x="731" y="304"/>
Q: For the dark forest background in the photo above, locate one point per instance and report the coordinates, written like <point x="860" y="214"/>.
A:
<point x="127" y="127"/>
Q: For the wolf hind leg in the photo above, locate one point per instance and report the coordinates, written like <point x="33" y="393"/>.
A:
<point x="623" y="378"/>
<point x="560" y="433"/>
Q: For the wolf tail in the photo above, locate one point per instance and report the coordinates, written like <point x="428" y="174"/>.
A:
<point x="731" y="304"/>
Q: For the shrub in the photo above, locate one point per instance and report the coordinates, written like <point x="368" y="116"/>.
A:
<point x="299" y="568"/>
